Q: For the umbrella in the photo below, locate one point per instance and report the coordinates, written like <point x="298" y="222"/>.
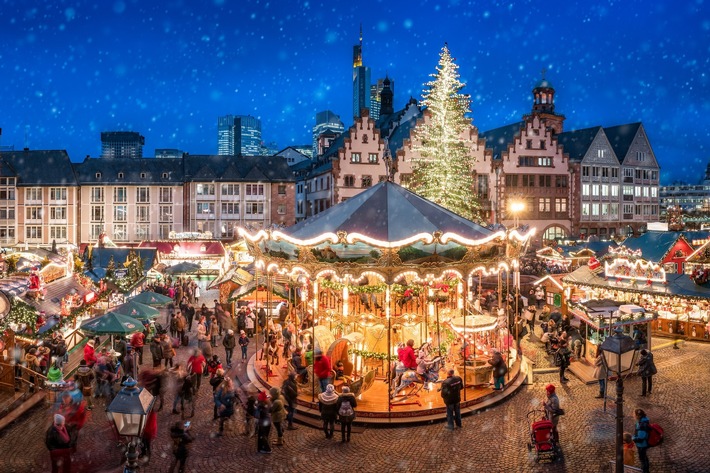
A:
<point x="137" y="310"/>
<point x="152" y="299"/>
<point x="112" y="323"/>
<point x="183" y="268"/>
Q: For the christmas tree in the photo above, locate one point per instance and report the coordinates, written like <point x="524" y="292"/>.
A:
<point x="442" y="170"/>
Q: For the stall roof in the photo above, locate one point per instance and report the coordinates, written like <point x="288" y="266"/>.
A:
<point x="203" y="248"/>
<point x="100" y="257"/>
<point x="250" y="287"/>
<point x="654" y="245"/>
<point x="676" y="284"/>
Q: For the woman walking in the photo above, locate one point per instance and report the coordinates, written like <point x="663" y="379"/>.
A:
<point x="328" y="406"/>
<point x="346" y="412"/>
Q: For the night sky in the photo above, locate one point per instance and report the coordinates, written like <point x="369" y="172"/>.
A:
<point x="168" y="69"/>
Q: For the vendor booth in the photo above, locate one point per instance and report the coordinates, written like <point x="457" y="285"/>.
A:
<point x="376" y="271"/>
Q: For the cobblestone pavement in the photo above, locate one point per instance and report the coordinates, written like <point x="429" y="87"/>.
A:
<point x="491" y="441"/>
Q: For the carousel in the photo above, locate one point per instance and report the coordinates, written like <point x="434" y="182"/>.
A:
<point x="377" y="277"/>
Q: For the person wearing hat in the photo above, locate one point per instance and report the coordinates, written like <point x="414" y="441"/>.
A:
<point x="278" y="414"/>
<point x="243" y="344"/>
<point x="229" y="342"/>
<point x="60" y="440"/>
<point x="451" y="394"/>
<point x="216" y="382"/>
<point x="552" y="409"/>
<point x="346" y="412"/>
<point x="289" y="389"/>
<point x="328" y="406"/>
<point x="322" y="368"/>
<point x="90" y="354"/>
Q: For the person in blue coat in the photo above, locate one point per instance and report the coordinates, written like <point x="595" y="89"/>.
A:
<point x="640" y="438"/>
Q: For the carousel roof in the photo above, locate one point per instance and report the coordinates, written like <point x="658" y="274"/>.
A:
<point x="387" y="213"/>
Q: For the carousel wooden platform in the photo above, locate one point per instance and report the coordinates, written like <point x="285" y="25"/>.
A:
<point x="374" y="406"/>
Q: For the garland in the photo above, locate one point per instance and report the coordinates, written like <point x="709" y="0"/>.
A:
<point x="415" y="289"/>
<point x="373" y="355"/>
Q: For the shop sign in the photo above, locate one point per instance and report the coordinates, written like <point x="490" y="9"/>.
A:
<point x="557" y="300"/>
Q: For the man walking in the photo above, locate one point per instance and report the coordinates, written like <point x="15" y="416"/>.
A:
<point x="451" y="394"/>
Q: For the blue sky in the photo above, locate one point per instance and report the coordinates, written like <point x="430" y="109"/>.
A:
<point x="168" y="69"/>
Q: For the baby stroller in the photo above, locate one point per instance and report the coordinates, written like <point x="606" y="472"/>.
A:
<point x="541" y="437"/>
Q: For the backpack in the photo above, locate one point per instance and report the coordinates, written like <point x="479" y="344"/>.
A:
<point x="655" y="435"/>
<point x="445" y="392"/>
<point x="346" y="410"/>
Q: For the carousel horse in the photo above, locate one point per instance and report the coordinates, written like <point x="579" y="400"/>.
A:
<point x="427" y="372"/>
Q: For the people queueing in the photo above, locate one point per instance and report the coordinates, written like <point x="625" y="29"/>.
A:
<point x="346" y="413"/>
<point x="328" y="406"/>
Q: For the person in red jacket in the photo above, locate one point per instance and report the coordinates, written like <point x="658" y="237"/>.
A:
<point x="138" y="342"/>
<point x="150" y="432"/>
<point x="90" y="354"/>
<point x="196" y="364"/>
<point x="322" y="369"/>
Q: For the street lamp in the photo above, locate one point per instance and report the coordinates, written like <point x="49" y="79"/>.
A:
<point x="128" y="413"/>
<point x="619" y="353"/>
<point x="515" y="208"/>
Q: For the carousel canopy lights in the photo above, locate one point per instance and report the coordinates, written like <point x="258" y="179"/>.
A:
<point x="622" y="268"/>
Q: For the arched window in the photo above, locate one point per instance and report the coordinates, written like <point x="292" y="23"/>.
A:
<point x="553" y="233"/>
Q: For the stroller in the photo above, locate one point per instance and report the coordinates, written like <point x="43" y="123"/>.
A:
<point x="541" y="438"/>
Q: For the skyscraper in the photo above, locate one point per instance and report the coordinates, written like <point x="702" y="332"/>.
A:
<point x="239" y="135"/>
<point x="326" y="121"/>
<point x="225" y="135"/>
<point x="361" y="81"/>
<point x="375" y="99"/>
<point x="122" y="144"/>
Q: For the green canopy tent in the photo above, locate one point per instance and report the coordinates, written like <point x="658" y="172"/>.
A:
<point x="111" y="324"/>
<point x="152" y="299"/>
<point x="137" y="310"/>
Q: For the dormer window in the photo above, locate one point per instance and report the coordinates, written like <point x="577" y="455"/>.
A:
<point x="120" y="175"/>
<point x="165" y="175"/>
<point x="98" y="175"/>
<point x="142" y="175"/>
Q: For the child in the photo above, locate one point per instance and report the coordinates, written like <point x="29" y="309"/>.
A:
<point x="629" y="450"/>
<point x="339" y="370"/>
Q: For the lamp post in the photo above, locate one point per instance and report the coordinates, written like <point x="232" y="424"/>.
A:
<point x="515" y="209"/>
<point x="128" y="413"/>
<point x="619" y="353"/>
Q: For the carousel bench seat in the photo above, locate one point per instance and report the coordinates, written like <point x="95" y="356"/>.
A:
<point x="476" y="375"/>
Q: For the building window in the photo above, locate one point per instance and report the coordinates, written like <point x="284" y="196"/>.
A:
<point x="355" y="158"/>
<point x="120" y="175"/>
<point x="143" y="175"/>
<point x="605" y="172"/>
<point x="97" y="195"/>
<point x="230" y="208"/>
<point x="166" y="213"/>
<point x="281" y="189"/>
<point x="165" y="194"/>
<point x="33" y="213"/>
<point x="281" y="210"/>
<point x="528" y="144"/>
<point x="544" y="161"/>
<point x="97" y="213"/>
<point x="254" y="189"/>
<point x="615" y="173"/>
<point x="254" y="208"/>
<point x="7" y="194"/>
<point x="560" y="181"/>
<point x="585" y="189"/>
<point x="595" y="190"/>
<point x="561" y="205"/>
<point x="33" y="194"/>
<point x="58" y="233"/>
<point x="142" y="231"/>
<point x="95" y="231"/>
<point x="230" y="189"/>
<point x="143" y="195"/>
<point x="165" y="175"/>
<point x="482" y="186"/>
<point x="600" y="153"/>
<point x="58" y="213"/>
<point x="366" y="182"/>
<point x="585" y="171"/>
<point x="165" y="230"/>
<point x="205" y="208"/>
<point x="544" y="205"/>
<point x="545" y="181"/>
<point x="120" y="195"/>
<point x="143" y="213"/>
<point x="640" y="155"/>
<point x="57" y="193"/>
<point x="204" y="189"/>
<point x="585" y="209"/>
<point x="526" y="161"/>
<point x="595" y="209"/>
<point x="528" y="180"/>
<point x="405" y="179"/>
<point x="33" y="232"/>
<point x="605" y="190"/>
<point x="7" y="214"/>
<point x="372" y="158"/>
<point x="98" y="175"/>
<point x="511" y="180"/>
<point x="119" y="232"/>
<point x="614" y="191"/>
<point x="120" y="213"/>
<point x="349" y="181"/>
